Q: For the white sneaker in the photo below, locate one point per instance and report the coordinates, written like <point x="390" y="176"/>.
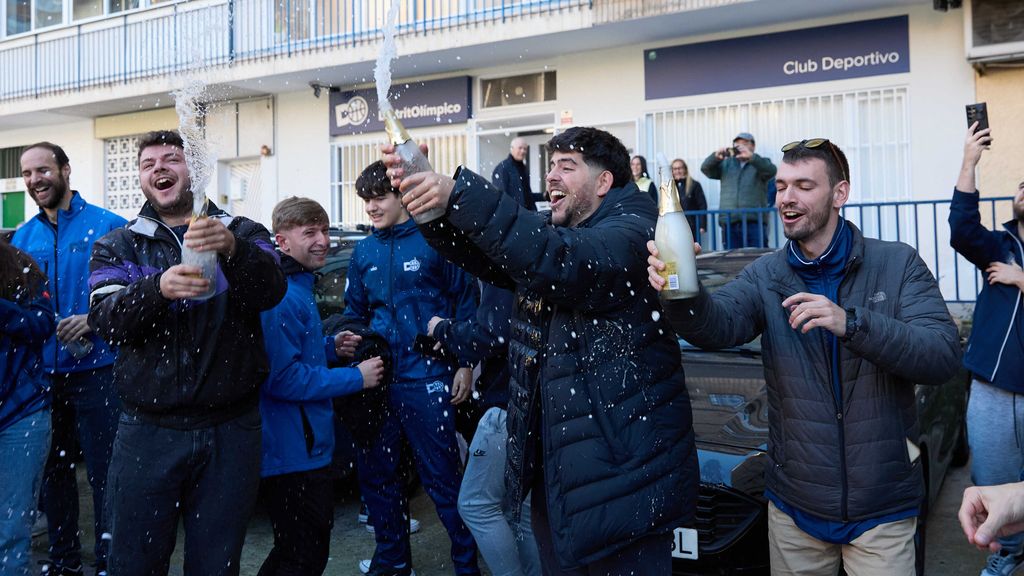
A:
<point x="39" y="527"/>
<point x="364" y="567"/>
<point x="414" y="527"/>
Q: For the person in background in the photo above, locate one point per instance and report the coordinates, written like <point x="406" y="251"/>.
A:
<point x="295" y="401"/>
<point x="995" y="351"/>
<point x="85" y="405"/>
<point x="744" y="176"/>
<point x="512" y="175"/>
<point x="26" y="322"/>
<point x="508" y="550"/>
<point x="642" y="178"/>
<point x="691" y="197"/>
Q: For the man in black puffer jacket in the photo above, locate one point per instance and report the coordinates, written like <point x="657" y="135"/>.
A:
<point x="599" y="418"/>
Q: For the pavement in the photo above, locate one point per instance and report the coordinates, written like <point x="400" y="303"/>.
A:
<point x="948" y="553"/>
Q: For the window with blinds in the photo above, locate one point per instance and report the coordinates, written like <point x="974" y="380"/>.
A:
<point x="350" y="157"/>
<point x="10" y="162"/>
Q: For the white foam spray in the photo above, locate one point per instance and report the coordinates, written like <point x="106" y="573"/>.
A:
<point x="188" y="103"/>
<point x="388" y="52"/>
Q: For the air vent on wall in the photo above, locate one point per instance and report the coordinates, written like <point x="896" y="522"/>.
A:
<point x="994" y="30"/>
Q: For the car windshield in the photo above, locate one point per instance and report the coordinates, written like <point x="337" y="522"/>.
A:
<point x="718" y="268"/>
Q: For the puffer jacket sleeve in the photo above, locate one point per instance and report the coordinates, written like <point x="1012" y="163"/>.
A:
<point x="920" y="343"/>
<point x="124" y="300"/>
<point x="254" y="271"/>
<point x="733" y="315"/>
<point x="590" y="269"/>
<point x="357" y="304"/>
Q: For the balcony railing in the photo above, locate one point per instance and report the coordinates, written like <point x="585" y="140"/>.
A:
<point x="209" y="33"/>
<point x="922" y="224"/>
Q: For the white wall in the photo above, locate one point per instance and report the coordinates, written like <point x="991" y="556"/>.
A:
<point x="85" y="154"/>
<point x="303" y="150"/>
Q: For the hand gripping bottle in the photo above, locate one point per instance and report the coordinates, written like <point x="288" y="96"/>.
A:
<point x="413" y="160"/>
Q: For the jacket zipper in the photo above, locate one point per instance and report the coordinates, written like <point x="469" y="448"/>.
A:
<point x="391" y="305"/>
<point x="844" y="511"/>
<point x="56" y="293"/>
<point x="1013" y="318"/>
<point x="177" y="326"/>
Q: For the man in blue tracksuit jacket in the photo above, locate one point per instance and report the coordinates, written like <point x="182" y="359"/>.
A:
<point x="995" y="351"/>
<point x="295" y="401"/>
<point x="396" y="284"/>
<point x="60" y="239"/>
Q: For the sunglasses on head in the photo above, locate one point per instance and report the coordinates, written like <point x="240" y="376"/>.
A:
<point x="818" y="143"/>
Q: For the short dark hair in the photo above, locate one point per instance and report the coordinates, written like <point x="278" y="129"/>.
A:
<point x="836" y="165"/>
<point x="599" y="150"/>
<point x="58" y="153"/>
<point x="373" y="182"/>
<point x="294" y="212"/>
<point x="159" y="138"/>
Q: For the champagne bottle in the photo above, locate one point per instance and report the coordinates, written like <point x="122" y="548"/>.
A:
<point x="413" y="160"/>
<point x="675" y="245"/>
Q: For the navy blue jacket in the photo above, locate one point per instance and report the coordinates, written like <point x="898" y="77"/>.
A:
<point x="184" y="364"/>
<point x="995" y="352"/>
<point x="62" y="252"/>
<point x="295" y="401"/>
<point x="24" y="326"/>
<point x="508" y="178"/>
<point x="396" y="284"/>
<point x="484" y="339"/>
<point x="598" y="408"/>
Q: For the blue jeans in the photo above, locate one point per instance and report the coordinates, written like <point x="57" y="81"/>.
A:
<point x="207" y="478"/>
<point x="507" y="552"/>
<point x="745" y="234"/>
<point x="420" y="410"/>
<point x="85" y="408"/>
<point x="23" y="448"/>
<point x="995" y="430"/>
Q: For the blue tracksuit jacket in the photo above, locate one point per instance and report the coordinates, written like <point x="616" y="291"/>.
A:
<point x="295" y="401"/>
<point x="62" y="252"/>
<point x="396" y="284"/>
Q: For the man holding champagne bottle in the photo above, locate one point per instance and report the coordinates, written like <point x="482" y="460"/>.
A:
<point x="599" y="418"/>
<point x="850" y="324"/>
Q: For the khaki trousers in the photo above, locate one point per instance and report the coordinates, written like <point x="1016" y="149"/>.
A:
<point x="885" y="550"/>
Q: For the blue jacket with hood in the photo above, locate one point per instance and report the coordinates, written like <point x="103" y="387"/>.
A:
<point x="24" y="326"/>
<point x="295" y="401"/>
<point x="995" y="350"/>
<point x="62" y="252"/>
<point x="396" y="284"/>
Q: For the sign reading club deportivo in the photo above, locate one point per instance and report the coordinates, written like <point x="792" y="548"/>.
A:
<point x="852" y="50"/>
<point x="445" y="101"/>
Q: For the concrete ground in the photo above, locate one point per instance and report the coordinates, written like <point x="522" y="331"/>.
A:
<point x="948" y="551"/>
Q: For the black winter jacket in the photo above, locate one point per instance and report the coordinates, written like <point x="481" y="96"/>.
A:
<point x="851" y="463"/>
<point x="184" y="364"/>
<point x="595" y="368"/>
<point x="508" y="178"/>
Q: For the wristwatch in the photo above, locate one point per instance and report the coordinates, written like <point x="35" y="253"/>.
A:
<point x="852" y="323"/>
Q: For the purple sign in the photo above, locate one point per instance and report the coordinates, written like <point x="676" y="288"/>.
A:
<point x="853" y="50"/>
<point x="445" y="101"/>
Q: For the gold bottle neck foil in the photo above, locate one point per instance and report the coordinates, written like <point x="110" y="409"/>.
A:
<point x="668" y="198"/>
<point x="397" y="133"/>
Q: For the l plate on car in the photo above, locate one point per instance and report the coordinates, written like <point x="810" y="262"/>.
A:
<point x="684" y="543"/>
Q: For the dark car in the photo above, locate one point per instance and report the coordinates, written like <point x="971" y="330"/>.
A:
<point x="730" y="420"/>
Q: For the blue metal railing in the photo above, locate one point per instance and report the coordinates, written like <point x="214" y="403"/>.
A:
<point x="922" y="224"/>
<point x="180" y="36"/>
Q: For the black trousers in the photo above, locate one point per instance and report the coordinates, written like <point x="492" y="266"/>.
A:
<point x="649" y="555"/>
<point x="301" y="508"/>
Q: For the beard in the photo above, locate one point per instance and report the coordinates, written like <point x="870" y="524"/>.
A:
<point x="814" y="221"/>
<point x="1018" y="211"/>
<point x="58" y="189"/>
<point x="180" y="205"/>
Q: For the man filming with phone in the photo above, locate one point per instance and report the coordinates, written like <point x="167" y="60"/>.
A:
<point x="995" y="351"/>
<point x="744" y="176"/>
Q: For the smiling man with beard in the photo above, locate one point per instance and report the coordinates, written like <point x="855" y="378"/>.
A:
<point x="995" y="352"/>
<point x="849" y="325"/>
<point x="188" y="371"/>
<point x="599" y="422"/>
<point x="85" y="405"/>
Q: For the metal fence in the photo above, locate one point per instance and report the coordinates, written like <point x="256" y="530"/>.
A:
<point x="921" y="224"/>
<point x="208" y="33"/>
